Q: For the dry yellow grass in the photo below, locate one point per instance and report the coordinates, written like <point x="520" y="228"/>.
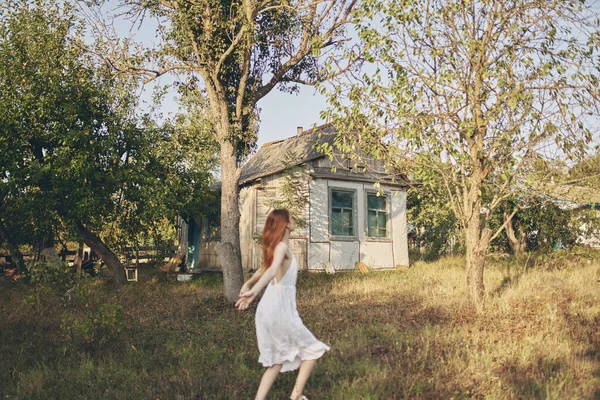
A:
<point x="393" y="334"/>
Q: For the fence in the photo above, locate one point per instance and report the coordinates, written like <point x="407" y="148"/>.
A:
<point x="134" y="255"/>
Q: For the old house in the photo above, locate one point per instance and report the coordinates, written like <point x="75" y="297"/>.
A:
<point x="583" y="204"/>
<point x="354" y="213"/>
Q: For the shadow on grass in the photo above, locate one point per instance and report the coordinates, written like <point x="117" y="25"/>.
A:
<point x="507" y="283"/>
<point x="531" y="380"/>
<point x="594" y="354"/>
<point x="584" y="330"/>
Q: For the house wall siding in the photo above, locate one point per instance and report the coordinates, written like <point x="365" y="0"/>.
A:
<point x="343" y="254"/>
<point x="319" y="214"/>
<point x="256" y="203"/>
<point x="400" y="229"/>
<point x="312" y="245"/>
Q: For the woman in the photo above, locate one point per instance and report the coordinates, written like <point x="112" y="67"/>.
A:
<point x="285" y="344"/>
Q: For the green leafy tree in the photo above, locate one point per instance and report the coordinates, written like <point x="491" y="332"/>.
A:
<point x="433" y="224"/>
<point x="559" y="208"/>
<point x="538" y="225"/>
<point x="236" y="52"/>
<point x="76" y="152"/>
<point x="487" y="87"/>
<point x="586" y="173"/>
<point x="67" y="125"/>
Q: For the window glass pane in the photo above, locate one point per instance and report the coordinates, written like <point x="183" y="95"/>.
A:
<point x="371" y="203"/>
<point x="377" y="220"/>
<point x="341" y="199"/>
<point x="381" y="219"/>
<point x="336" y="222"/>
<point x="372" y="219"/>
<point x="376" y="203"/>
<point x="342" y="213"/>
<point x="347" y="218"/>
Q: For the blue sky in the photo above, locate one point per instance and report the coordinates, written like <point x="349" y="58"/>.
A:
<point x="280" y="113"/>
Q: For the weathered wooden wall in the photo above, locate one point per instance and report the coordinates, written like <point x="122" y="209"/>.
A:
<point x="312" y="245"/>
<point x="264" y="194"/>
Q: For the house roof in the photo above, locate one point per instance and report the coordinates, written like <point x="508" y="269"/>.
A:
<point x="274" y="157"/>
<point x="571" y="193"/>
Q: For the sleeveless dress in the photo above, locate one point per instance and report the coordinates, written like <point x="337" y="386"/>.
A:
<point x="281" y="335"/>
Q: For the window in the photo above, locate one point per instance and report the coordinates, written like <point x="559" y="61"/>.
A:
<point x="342" y="213"/>
<point x="377" y="215"/>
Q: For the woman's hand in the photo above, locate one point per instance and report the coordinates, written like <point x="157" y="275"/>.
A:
<point x="245" y="300"/>
<point x="244" y="288"/>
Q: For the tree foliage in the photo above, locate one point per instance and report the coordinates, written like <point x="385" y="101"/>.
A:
<point x="66" y="123"/>
<point x="433" y="226"/>
<point x="485" y="87"/>
<point x="77" y="152"/>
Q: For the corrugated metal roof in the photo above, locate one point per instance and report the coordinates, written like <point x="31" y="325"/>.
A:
<point x="276" y="156"/>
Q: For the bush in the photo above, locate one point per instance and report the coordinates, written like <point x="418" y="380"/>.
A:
<point x="576" y="256"/>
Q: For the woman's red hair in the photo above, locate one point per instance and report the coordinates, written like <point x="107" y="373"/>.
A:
<point x="273" y="232"/>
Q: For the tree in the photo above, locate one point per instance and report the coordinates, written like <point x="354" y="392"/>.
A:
<point x="65" y="125"/>
<point x="171" y="176"/>
<point x="236" y="52"/>
<point x="487" y="87"/>
<point x="434" y="225"/>
<point x="538" y="225"/>
<point x="75" y="151"/>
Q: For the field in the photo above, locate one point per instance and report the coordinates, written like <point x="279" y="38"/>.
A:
<point x="393" y="335"/>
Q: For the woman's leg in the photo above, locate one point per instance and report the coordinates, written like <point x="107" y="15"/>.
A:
<point x="267" y="381"/>
<point x="305" y="369"/>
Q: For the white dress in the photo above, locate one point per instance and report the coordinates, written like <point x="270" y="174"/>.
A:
<point x="282" y="337"/>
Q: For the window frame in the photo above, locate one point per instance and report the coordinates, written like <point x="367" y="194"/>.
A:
<point x="354" y="192"/>
<point x="388" y="225"/>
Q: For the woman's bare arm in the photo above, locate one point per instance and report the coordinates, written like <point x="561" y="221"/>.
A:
<point x="253" y="279"/>
<point x="247" y="297"/>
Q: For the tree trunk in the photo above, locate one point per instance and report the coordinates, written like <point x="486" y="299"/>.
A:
<point x="523" y="241"/>
<point x="13" y="248"/>
<point x="97" y="245"/>
<point x="513" y="242"/>
<point x="477" y="240"/>
<point x="228" y="250"/>
<point x="475" y="265"/>
<point x="48" y="240"/>
<point x="78" y="258"/>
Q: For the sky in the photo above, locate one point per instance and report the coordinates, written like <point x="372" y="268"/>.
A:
<point x="281" y="113"/>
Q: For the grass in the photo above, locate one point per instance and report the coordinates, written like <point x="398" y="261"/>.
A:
<point x="392" y="334"/>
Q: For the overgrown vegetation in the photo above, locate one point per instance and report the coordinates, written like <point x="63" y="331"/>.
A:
<point x="393" y="335"/>
<point x="81" y="158"/>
